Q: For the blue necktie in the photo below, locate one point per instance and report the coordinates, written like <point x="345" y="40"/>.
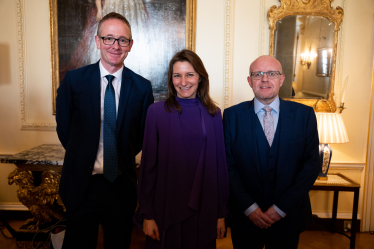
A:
<point x="111" y="170"/>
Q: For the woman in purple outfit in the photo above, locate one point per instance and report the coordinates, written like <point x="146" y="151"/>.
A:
<point x="183" y="179"/>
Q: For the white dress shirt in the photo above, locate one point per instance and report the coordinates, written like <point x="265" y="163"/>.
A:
<point x="260" y="114"/>
<point x="99" y="162"/>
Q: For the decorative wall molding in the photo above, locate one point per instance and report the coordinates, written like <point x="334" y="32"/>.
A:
<point x="229" y="54"/>
<point x="344" y="216"/>
<point x="348" y="166"/>
<point x="18" y="206"/>
<point x="5" y="155"/>
<point x="21" y="24"/>
<point x="261" y="43"/>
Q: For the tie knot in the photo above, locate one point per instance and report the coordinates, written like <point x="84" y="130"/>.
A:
<point x="267" y="109"/>
<point x="109" y="78"/>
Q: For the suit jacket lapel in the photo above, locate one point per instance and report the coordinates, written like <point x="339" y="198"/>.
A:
<point x="248" y="122"/>
<point x="94" y="80"/>
<point x="124" y="96"/>
<point x="285" y="120"/>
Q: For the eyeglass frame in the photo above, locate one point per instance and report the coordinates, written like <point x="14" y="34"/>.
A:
<point x="115" y="40"/>
<point x="263" y="73"/>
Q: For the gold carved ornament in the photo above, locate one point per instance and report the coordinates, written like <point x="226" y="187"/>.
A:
<point x="40" y="200"/>
<point x="309" y="8"/>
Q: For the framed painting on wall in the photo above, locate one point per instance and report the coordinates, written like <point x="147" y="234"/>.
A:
<point x="159" y="29"/>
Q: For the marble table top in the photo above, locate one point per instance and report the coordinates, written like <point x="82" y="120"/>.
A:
<point x="45" y="154"/>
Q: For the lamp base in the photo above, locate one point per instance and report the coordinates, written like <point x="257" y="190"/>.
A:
<point x="322" y="178"/>
<point x="325" y="154"/>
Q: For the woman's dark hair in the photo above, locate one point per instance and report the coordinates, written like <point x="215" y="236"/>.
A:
<point x="203" y="88"/>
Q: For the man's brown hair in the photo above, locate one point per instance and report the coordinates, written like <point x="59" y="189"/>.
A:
<point x="113" y="15"/>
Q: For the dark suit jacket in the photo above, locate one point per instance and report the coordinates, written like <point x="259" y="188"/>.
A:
<point x="78" y="128"/>
<point x="297" y="164"/>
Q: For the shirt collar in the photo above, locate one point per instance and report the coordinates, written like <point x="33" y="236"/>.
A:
<point x="274" y="105"/>
<point x="104" y="72"/>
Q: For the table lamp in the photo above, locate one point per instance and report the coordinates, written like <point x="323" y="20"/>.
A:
<point x="331" y="130"/>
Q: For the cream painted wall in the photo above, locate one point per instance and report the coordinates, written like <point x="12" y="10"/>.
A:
<point x="209" y="45"/>
<point x="37" y="83"/>
<point x="249" y="38"/>
<point x="8" y="84"/>
<point x="37" y="77"/>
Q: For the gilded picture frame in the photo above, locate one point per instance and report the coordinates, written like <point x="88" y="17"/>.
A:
<point x="189" y="39"/>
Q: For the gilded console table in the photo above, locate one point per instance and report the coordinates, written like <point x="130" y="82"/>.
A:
<point x="38" y="176"/>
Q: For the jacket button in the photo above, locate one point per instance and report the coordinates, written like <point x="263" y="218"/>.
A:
<point x="271" y="156"/>
<point x="271" y="170"/>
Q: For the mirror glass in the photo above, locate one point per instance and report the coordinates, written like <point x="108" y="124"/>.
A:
<point x="304" y="46"/>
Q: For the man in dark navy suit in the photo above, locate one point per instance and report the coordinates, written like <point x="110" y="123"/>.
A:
<point x="100" y="114"/>
<point x="273" y="161"/>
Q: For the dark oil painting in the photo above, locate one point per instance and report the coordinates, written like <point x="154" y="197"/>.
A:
<point x="158" y="30"/>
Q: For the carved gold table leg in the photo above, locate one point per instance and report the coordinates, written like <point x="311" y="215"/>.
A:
<point x="41" y="200"/>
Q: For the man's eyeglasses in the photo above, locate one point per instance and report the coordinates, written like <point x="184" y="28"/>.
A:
<point x="123" y="42"/>
<point x="271" y="74"/>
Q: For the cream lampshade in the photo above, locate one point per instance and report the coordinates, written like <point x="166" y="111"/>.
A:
<point x="331" y="130"/>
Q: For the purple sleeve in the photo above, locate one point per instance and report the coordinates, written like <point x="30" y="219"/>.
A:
<point x="223" y="179"/>
<point x="148" y="169"/>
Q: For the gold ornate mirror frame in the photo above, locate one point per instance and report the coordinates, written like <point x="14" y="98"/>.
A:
<point x="309" y="8"/>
